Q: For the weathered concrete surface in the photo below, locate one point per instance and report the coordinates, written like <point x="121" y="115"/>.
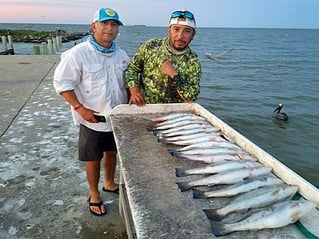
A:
<point x="43" y="187"/>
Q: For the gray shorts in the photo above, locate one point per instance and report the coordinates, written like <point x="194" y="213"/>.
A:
<point x="93" y="143"/>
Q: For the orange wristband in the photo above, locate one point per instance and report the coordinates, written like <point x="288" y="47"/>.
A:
<point x="77" y="106"/>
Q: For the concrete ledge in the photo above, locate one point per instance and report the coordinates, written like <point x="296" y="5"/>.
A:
<point x="43" y="187"/>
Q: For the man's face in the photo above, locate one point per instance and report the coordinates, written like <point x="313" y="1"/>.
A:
<point x="105" y="32"/>
<point x="180" y="36"/>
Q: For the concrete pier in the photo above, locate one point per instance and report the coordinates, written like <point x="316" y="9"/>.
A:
<point x="43" y="187"/>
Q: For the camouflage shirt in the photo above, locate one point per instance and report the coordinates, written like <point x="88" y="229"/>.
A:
<point x="145" y="72"/>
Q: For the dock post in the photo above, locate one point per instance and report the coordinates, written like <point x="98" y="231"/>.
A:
<point x="59" y="41"/>
<point x="10" y="40"/>
<point x="55" y="46"/>
<point x="50" y="47"/>
<point x="44" y="48"/>
<point x="36" y="50"/>
<point x="4" y="43"/>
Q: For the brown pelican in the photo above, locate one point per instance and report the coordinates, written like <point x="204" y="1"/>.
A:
<point x="280" y="115"/>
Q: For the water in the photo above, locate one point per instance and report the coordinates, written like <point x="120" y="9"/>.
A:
<point x="262" y="68"/>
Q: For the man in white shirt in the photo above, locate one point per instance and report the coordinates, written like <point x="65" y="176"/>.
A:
<point x="90" y="77"/>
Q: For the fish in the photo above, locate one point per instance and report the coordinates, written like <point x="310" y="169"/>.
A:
<point x="228" y="155"/>
<point x="194" y="135"/>
<point x="190" y="117"/>
<point x="193" y="139"/>
<point x="205" y="151"/>
<point x="209" y="159"/>
<point x="197" y="126"/>
<point x="209" y="145"/>
<point x="179" y="124"/>
<point x="227" y="177"/>
<point x="190" y="131"/>
<point x="244" y="186"/>
<point x="217" y="168"/>
<point x="256" y="198"/>
<point x="170" y="117"/>
<point x="279" y="215"/>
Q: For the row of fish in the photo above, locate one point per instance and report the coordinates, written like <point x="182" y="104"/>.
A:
<point x="251" y="184"/>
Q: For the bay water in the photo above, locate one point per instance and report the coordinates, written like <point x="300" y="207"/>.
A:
<point x="249" y="72"/>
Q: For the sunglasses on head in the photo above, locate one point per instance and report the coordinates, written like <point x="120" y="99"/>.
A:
<point x="183" y="14"/>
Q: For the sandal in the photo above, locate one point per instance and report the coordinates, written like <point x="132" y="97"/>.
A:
<point x="96" y="204"/>
<point x="116" y="190"/>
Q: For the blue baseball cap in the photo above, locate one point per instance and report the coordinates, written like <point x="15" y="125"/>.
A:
<point x="104" y="14"/>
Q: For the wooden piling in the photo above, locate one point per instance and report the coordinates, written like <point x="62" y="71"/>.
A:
<point x="44" y="48"/>
<point x="4" y="43"/>
<point x="50" y="47"/>
<point x="10" y="40"/>
<point x="36" y="50"/>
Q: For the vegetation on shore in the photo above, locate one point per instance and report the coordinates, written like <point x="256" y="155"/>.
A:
<point x="41" y="36"/>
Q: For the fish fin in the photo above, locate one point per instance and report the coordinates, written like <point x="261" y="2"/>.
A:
<point x="180" y="172"/>
<point x="212" y="214"/>
<point x="218" y="228"/>
<point x="184" y="186"/>
<point x="224" y="137"/>
<point x="198" y="194"/>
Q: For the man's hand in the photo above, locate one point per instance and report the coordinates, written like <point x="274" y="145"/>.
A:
<point x="168" y="69"/>
<point x="136" y="97"/>
<point x="87" y="114"/>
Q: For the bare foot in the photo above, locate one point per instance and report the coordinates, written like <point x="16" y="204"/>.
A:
<point x="96" y="207"/>
<point x="114" y="187"/>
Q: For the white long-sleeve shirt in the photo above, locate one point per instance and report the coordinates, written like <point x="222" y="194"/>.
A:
<point x="96" y="78"/>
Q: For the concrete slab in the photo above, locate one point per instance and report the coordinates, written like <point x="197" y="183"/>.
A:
<point x="43" y="188"/>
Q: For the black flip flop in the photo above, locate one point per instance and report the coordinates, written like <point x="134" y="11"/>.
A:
<point x="96" y="204"/>
<point x="111" y="191"/>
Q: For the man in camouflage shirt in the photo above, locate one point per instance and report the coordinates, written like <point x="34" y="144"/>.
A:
<point x="166" y="70"/>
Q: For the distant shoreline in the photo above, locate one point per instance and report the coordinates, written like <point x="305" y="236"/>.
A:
<point x="32" y="36"/>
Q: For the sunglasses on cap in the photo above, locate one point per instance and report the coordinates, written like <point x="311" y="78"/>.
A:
<point x="183" y="14"/>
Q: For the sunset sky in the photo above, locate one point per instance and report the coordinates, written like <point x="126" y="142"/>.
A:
<point x="208" y="13"/>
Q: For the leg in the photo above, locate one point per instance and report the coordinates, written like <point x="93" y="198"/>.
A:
<point x="93" y="177"/>
<point x="109" y="163"/>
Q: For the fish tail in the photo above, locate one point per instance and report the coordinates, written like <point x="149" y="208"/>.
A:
<point x="198" y="194"/>
<point x="165" y="141"/>
<point x="212" y="214"/>
<point x="160" y="137"/>
<point x="151" y="129"/>
<point x="218" y="228"/>
<point x="184" y="186"/>
<point x="174" y="153"/>
<point x="180" y="172"/>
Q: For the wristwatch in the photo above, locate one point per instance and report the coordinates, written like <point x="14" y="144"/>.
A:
<point x="179" y="81"/>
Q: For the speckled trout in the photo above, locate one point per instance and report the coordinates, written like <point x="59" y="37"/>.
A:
<point x="245" y="186"/>
<point x="217" y="167"/>
<point x="194" y="138"/>
<point x="206" y="151"/>
<point x="179" y="121"/>
<point x="172" y="116"/>
<point x="278" y="215"/>
<point x="227" y="177"/>
<point x="219" y="157"/>
<point x="256" y="198"/>
<point x="209" y="145"/>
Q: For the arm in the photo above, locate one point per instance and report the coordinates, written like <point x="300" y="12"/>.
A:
<point x="187" y="82"/>
<point x="86" y="114"/>
<point x="132" y="77"/>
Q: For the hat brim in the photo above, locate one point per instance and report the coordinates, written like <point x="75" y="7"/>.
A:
<point x="106" y="19"/>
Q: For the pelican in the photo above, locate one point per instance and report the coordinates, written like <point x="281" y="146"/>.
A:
<point x="215" y="57"/>
<point x="280" y="115"/>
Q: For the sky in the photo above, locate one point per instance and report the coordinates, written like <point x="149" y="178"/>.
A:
<point x="208" y="13"/>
